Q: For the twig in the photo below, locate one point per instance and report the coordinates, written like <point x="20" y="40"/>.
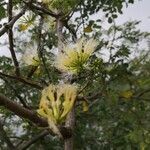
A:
<point x="82" y="19"/>
<point x="143" y="92"/>
<point x="10" y="36"/>
<point x="32" y="71"/>
<point x="84" y="87"/>
<point x="16" y="94"/>
<point x="26" y="145"/>
<point x="2" y="4"/>
<point x="71" y="30"/>
<point x="13" y="20"/>
<point x="59" y="28"/>
<point x="40" y="47"/>
<point x="42" y="9"/>
<point x="90" y="98"/>
<point x="111" y="43"/>
<point x="23" y="80"/>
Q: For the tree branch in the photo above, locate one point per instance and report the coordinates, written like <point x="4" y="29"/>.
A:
<point x="142" y="93"/>
<point x="10" y="36"/>
<point x="16" y="94"/>
<point x="13" y="20"/>
<point x="30" y="115"/>
<point x="27" y="144"/>
<point x="40" y="47"/>
<point x="22" y="80"/>
<point x="59" y="28"/>
<point x="41" y="9"/>
<point x="22" y="112"/>
<point x="2" y="4"/>
<point x="71" y="30"/>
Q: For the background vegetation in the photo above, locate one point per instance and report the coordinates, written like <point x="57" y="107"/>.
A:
<point x="116" y="85"/>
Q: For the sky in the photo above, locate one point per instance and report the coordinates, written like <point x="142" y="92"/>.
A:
<point x="140" y="11"/>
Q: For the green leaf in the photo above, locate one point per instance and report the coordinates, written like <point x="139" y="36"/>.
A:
<point x="88" y="29"/>
<point x="131" y="1"/>
<point x="2" y="12"/>
<point x="114" y="16"/>
<point x="109" y="20"/>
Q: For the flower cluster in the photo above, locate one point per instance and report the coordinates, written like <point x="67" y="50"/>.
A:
<point x="49" y="23"/>
<point x="75" y="57"/>
<point x="57" y="101"/>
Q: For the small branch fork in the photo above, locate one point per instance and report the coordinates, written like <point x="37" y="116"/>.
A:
<point x="12" y="21"/>
<point x="33" y="140"/>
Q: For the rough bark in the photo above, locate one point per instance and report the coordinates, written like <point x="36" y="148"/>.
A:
<point x="70" y="122"/>
<point x="22" y="112"/>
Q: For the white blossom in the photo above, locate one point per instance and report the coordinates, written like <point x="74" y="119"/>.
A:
<point x="30" y="56"/>
<point x="76" y="56"/>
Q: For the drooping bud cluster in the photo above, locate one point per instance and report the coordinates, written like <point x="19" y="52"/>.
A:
<point x="57" y="101"/>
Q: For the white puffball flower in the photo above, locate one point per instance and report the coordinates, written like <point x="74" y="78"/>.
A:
<point x="30" y="56"/>
<point x="76" y="56"/>
<point x="49" y="23"/>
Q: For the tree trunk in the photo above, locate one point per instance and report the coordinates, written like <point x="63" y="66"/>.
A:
<point x="70" y="122"/>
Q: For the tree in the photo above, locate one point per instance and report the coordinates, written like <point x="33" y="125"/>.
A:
<point x="58" y="88"/>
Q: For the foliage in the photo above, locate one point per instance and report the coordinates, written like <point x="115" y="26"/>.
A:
<point x="112" y="110"/>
